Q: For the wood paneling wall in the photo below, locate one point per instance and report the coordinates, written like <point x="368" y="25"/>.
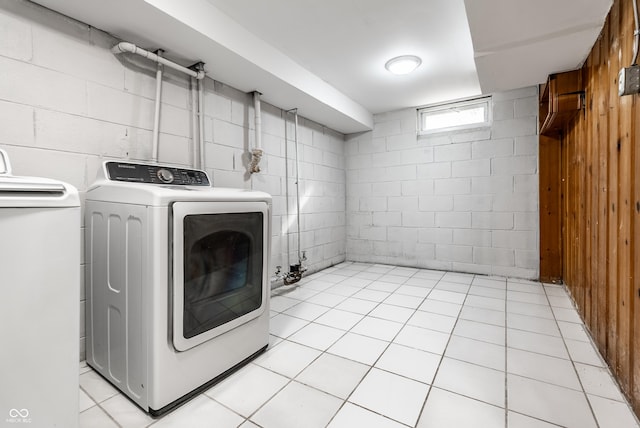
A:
<point x="600" y="208"/>
<point x="550" y="209"/>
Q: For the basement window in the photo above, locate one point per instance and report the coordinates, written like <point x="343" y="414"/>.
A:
<point x="475" y="113"/>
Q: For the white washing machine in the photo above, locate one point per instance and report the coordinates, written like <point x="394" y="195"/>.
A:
<point x="177" y="282"/>
<point x="39" y="300"/>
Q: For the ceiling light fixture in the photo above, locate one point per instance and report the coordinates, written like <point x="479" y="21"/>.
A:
<point x="404" y="64"/>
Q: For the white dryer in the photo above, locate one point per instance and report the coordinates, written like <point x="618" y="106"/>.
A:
<point x="40" y="251"/>
<point x="177" y="282"/>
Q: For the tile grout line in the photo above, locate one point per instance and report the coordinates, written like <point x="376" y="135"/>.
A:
<point x="322" y="352"/>
<point x="346" y="400"/>
<point x="98" y="404"/>
<point x="506" y="356"/>
<point x="435" y="374"/>
<point x="570" y="359"/>
<point x="451" y="334"/>
<point x="573" y="363"/>
<point x="415" y="310"/>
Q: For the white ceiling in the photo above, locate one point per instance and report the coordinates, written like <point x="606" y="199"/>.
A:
<point x="518" y="43"/>
<point x="347" y="43"/>
<point x="326" y="57"/>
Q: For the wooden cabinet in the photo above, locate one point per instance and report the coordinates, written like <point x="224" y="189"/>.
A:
<point x="561" y="97"/>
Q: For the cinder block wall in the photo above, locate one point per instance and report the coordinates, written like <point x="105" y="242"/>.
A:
<point x="464" y="201"/>
<point x="67" y="104"/>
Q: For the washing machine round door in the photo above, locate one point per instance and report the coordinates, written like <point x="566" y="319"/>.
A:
<point x="220" y="265"/>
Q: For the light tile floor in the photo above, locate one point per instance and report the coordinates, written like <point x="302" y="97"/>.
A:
<point x="376" y="346"/>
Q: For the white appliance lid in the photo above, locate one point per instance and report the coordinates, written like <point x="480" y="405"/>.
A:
<point x="162" y="196"/>
<point x="33" y="192"/>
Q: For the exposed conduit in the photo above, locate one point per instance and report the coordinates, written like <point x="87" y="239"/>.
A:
<point x="197" y="110"/>
<point x="155" y="145"/>
<point x="201" y="160"/>
<point x="195" y="124"/>
<point x="198" y="74"/>
<point x="256" y="153"/>
<point x="295" y="136"/>
<point x="296" y="271"/>
<point x="123" y="47"/>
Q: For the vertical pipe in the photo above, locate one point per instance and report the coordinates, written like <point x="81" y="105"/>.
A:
<point x="258" y="123"/>
<point x="201" y="123"/>
<point x="198" y="73"/>
<point x="156" y="118"/>
<point x="256" y="153"/>
<point x="195" y="133"/>
<point x="295" y="136"/>
<point x="296" y="271"/>
<point x="287" y="191"/>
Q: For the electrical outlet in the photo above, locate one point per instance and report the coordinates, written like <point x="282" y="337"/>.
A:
<point x="629" y="80"/>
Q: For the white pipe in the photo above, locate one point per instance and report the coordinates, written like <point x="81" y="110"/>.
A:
<point x="258" y="123"/>
<point x="199" y="74"/>
<point x="156" y="117"/>
<point x="256" y="153"/>
<point x="295" y="134"/>
<point x="123" y="47"/>
<point x="195" y="155"/>
<point x="201" y="159"/>
<point x="296" y="271"/>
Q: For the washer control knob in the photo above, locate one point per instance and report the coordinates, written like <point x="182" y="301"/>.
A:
<point x="165" y="175"/>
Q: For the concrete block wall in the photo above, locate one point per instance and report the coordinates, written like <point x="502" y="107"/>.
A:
<point x="463" y="200"/>
<point x="67" y="104"/>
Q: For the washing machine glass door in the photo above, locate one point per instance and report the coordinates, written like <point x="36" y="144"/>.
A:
<point x="220" y="258"/>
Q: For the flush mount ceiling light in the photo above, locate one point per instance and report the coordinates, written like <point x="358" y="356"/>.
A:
<point x="404" y="64"/>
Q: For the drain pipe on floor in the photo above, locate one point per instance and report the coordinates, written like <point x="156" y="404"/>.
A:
<point x="256" y="153"/>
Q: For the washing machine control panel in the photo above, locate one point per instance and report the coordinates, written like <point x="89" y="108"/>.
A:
<point x="155" y="174"/>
